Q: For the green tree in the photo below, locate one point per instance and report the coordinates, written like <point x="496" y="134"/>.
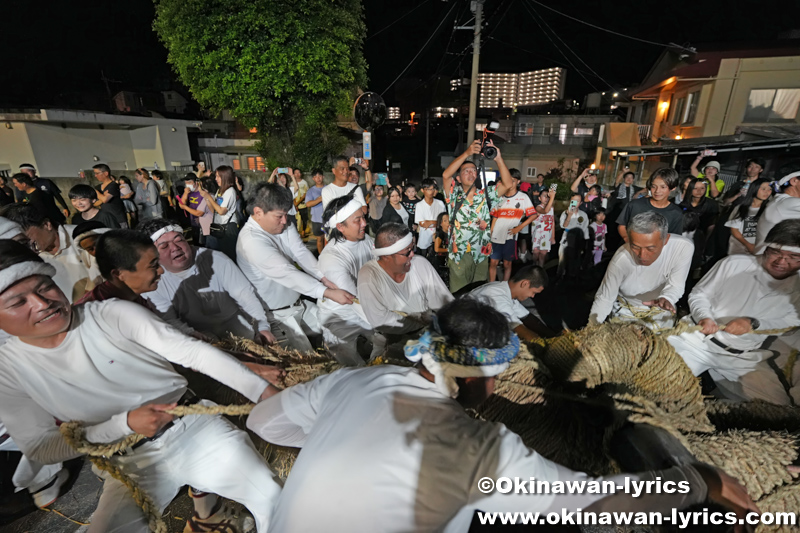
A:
<point x="287" y="68"/>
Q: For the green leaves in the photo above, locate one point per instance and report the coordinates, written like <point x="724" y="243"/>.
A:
<point x="287" y="68"/>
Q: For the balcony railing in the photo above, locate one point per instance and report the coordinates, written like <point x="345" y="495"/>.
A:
<point x="644" y="132"/>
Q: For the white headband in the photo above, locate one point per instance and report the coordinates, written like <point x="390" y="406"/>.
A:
<point x="784" y="180"/>
<point x="344" y="213"/>
<point x="9" y="229"/>
<point x="166" y="229"/>
<point x="11" y="275"/>
<point x="445" y="374"/>
<point x="400" y="245"/>
<point x="792" y="249"/>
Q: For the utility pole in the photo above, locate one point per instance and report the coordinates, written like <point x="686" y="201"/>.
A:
<point x="473" y="82"/>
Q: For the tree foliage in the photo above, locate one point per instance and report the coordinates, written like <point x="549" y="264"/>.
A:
<point x="286" y="68"/>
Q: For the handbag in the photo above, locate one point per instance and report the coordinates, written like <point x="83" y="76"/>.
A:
<point x="217" y="230"/>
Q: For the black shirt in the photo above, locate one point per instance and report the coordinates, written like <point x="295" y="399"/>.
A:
<point x="46" y="204"/>
<point x="672" y="213"/>
<point x="6" y="196"/>
<point x="707" y="210"/>
<point x="103" y="216"/>
<point x="115" y="207"/>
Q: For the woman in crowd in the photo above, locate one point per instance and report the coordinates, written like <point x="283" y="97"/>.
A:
<point x="744" y="218"/>
<point x="225" y="228"/>
<point x="696" y="201"/>
<point x="288" y="182"/>
<point x="442" y="237"/>
<point x="6" y="193"/>
<point x="147" y="196"/>
<point x="395" y="212"/>
<point x="127" y="194"/>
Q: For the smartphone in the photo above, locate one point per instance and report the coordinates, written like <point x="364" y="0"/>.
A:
<point x="627" y="166"/>
<point x="357" y="160"/>
<point x="554" y="186"/>
<point x="594" y="171"/>
<point x="382" y="177"/>
<point x="283" y="170"/>
<point x="573" y="204"/>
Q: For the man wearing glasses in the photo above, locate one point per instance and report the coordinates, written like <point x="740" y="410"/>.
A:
<point x="745" y="293"/>
<point x="398" y="286"/>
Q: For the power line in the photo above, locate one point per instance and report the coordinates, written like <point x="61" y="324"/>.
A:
<point x="395" y="22"/>
<point x="605" y="29"/>
<point x="521" y="49"/>
<point x="536" y="20"/>
<point x="571" y="50"/>
<point x="435" y="32"/>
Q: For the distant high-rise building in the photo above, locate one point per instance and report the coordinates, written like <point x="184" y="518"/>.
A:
<point x="393" y="113"/>
<point x="525" y="88"/>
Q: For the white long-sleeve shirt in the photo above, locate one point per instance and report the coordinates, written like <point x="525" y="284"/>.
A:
<point x="782" y="207"/>
<point x="211" y="296"/>
<point x="421" y="290"/>
<point x="665" y="278"/>
<point x="384" y="450"/>
<point x="116" y="357"/>
<point x="738" y="286"/>
<point x="268" y="262"/>
<point x="340" y="262"/>
<point x="76" y="270"/>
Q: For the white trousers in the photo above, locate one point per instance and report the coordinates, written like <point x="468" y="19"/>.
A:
<point x="208" y="453"/>
<point x="341" y="327"/>
<point x="29" y="474"/>
<point x="296" y="323"/>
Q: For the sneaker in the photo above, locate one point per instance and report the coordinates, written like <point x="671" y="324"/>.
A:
<point x="48" y="494"/>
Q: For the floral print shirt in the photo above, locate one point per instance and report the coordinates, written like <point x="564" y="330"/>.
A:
<point x="467" y="237"/>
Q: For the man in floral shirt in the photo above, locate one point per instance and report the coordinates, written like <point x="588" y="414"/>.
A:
<point x="470" y="223"/>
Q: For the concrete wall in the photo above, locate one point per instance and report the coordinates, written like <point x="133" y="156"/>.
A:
<point x="58" y="151"/>
<point x="64" y="151"/>
<point x="15" y="147"/>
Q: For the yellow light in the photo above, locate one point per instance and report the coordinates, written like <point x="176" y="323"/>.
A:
<point x="664" y="105"/>
<point x="593" y="166"/>
<point x="678" y="137"/>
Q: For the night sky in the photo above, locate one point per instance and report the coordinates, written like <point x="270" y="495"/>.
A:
<point x="50" y="51"/>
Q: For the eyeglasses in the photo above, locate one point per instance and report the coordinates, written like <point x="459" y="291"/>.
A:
<point x="408" y="252"/>
<point x="789" y="257"/>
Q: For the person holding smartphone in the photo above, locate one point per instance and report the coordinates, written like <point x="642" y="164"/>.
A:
<point x="584" y="182"/>
<point x="576" y="232"/>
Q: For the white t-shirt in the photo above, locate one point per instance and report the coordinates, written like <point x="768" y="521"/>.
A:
<point x="498" y="294"/>
<point x="211" y="296"/>
<point x="421" y="290"/>
<point x="423" y="213"/>
<point x="747" y="226"/>
<point x="228" y="201"/>
<point x="116" y="357"/>
<point x="331" y="191"/>
<point x="578" y="220"/>
<point x="76" y="271"/>
<point x="403" y="214"/>
<point x="509" y="213"/>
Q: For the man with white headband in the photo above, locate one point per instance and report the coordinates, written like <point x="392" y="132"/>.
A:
<point x="267" y="250"/>
<point x="783" y="206"/>
<point x="398" y="280"/>
<point x="391" y="449"/>
<point x="646" y="275"/>
<point x="109" y="364"/>
<point x="204" y="288"/>
<point x="76" y="270"/>
<point x="745" y="293"/>
<point x="349" y="248"/>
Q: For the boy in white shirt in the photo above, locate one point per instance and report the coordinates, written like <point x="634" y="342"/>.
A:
<point x="572" y="219"/>
<point x="513" y="212"/>
<point x="428" y="209"/>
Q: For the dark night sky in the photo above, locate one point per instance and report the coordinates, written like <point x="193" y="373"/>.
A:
<point x="50" y="48"/>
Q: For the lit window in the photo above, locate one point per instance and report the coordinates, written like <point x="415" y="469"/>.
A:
<point x="772" y="105"/>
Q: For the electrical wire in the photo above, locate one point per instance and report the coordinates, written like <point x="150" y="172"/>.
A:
<point x="536" y="20"/>
<point x="521" y="49"/>
<point x="395" y="22"/>
<point x="424" y="46"/>
<point x="598" y="76"/>
<point x="606" y="29"/>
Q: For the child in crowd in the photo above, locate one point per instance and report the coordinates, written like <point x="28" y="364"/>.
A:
<point x="83" y="198"/>
<point x="440" y="241"/>
<point x="600" y="229"/>
<point x="744" y="218"/>
<point x="573" y="241"/>
<point x="544" y="237"/>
